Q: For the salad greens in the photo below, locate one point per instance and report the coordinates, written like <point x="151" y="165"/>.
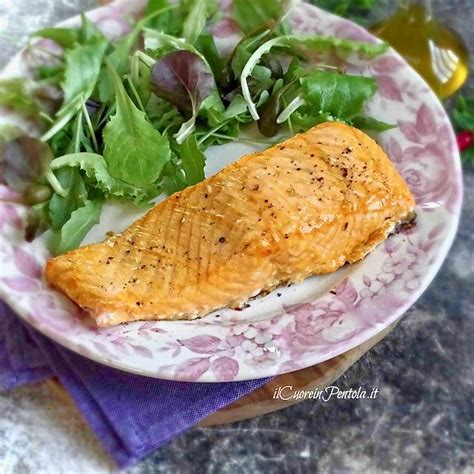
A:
<point x="463" y="121"/>
<point x="128" y="135"/>
<point x="355" y="10"/>
<point x="131" y="119"/>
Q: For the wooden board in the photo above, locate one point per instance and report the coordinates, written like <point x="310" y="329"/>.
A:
<point x="261" y="401"/>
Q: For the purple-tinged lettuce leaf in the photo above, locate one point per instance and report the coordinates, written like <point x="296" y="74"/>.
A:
<point x="23" y="160"/>
<point x="185" y="80"/>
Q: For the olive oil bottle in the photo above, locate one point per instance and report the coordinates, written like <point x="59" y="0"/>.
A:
<point x="435" y="51"/>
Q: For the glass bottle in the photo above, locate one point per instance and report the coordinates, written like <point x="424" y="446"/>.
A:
<point x="431" y="48"/>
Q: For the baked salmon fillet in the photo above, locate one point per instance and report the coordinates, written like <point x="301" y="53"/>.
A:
<point x="303" y="207"/>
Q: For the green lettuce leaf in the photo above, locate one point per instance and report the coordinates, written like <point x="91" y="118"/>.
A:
<point x="169" y="22"/>
<point x="192" y="160"/>
<point x="371" y="125"/>
<point x="304" y="45"/>
<point x="82" y="69"/>
<point x="83" y="66"/>
<point x="64" y="37"/>
<point x="250" y="14"/>
<point x="120" y="55"/>
<point x="198" y="12"/>
<point x="164" y="116"/>
<point x="134" y="151"/>
<point x="95" y="168"/>
<point x="61" y="208"/>
<point x="76" y="228"/>
<point x="340" y="95"/>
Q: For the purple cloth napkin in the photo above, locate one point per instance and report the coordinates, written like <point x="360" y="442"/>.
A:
<point x="131" y="415"/>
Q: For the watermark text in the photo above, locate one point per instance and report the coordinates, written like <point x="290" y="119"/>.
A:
<point x="286" y="392"/>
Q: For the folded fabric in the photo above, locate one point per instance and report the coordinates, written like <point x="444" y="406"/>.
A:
<point x="130" y="414"/>
<point x="21" y="360"/>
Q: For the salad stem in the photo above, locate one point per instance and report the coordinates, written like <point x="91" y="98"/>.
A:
<point x="135" y="93"/>
<point x="290" y="123"/>
<point x="46" y="117"/>
<point x="247" y="71"/>
<point x="54" y="183"/>
<point x="78" y="133"/>
<point x="295" y="104"/>
<point x="89" y="125"/>
<point x="148" y="60"/>
<point x="185" y="130"/>
<point x="247" y="140"/>
<point x="57" y="126"/>
<point x="212" y="132"/>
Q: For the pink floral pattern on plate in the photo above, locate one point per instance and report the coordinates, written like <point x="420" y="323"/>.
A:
<point x="310" y="322"/>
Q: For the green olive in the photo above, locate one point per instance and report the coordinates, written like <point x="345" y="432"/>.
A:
<point x="37" y="194"/>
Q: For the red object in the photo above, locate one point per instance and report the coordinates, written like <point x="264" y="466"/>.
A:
<point x="465" y="139"/>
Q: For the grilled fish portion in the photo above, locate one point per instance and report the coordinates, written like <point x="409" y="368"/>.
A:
<point x="306" y="206"/>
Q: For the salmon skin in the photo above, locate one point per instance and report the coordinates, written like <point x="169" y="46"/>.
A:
<point x="306" y="206"/>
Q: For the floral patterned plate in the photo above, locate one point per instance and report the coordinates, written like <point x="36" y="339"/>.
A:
<point x="292" y="328"/>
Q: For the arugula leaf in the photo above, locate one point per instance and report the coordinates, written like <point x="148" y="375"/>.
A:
<point x="61" y="208"/>
<point x="88" y="32"/>
<point x="134" y="151"/>
<point x="304" y="44"/>
<point x="173" y="176"/>
<point x="250" y="14"/>
<point x="206" y="45"/>
<point x="302" y="121"/>
<point x="244" y="50"/>
<point x="199" y="11"/>
<point x="332" y="96"/>
<point x="212" y="108"/>
<point x="169" y="22"/>
<point x="164" y="116"/>
<point x="162" y="43"/>
<point x="83" y="69"/>
<point x="76" y="228"/>
<point x="139" y="82"/>
<point x="340" y="95"/>
<point x="192" y="160"/>
<point x="371" y="124"/>
<point x="83" y="65"/>
<point x="64" y="37"/>
<point x="119" y="57"/>
<point x="237" y="109"/>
